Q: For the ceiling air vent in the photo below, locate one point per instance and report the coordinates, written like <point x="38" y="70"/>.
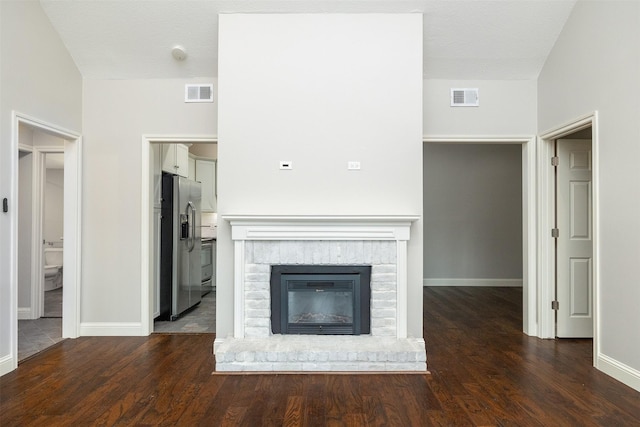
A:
<point x="464" y="98"/>
<point x="198" y="93"/>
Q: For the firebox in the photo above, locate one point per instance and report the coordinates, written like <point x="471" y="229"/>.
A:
<point x="320" y="299"/>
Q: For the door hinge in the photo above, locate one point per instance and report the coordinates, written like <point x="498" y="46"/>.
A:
<point x="555" y="233"/>
<point x="555" y="305"/>
<point x="555" y="161"/>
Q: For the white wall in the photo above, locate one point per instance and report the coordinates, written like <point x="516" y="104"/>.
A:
<point x="472" y="212"/>
<point x="507" y="107"/>
<point x="319" y="91"/>
<point x="116" y="115"/>
<point x="595" y="65"/>
<point x="37" y="78"/>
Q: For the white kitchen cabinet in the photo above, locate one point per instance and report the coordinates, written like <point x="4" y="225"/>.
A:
<point x="192" y="168"/>
<point x="175" y="159"/>
<point x="206" y="174"/>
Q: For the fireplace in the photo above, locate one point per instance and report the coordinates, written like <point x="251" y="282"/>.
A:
<point x="320" y="299"/>
<point x="318" y="256"/>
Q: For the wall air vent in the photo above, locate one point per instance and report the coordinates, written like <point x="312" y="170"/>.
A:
<point x="198" y="93"/>
<point x="465" y="98"/>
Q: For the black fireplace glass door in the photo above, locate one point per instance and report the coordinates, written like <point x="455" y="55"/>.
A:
<point x="320" y="304"/>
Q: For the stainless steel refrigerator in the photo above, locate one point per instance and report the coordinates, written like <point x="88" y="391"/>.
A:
<point x="180" y="245"/>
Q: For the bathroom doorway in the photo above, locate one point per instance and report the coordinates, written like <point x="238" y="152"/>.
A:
<point x="53" y="235"/>
<point x="40" y="240"/>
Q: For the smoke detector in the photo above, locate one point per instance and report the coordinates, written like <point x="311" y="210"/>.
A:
<point x="179" y="53"/>
<point x="198" y="93"/>
<point x="465" y="97"/>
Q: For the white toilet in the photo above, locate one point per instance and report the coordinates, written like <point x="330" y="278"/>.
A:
<point x="52" y="268"/>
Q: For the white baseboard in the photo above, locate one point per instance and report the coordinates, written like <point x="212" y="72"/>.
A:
<point x="7" y="364"/>
<point x="512" y="283"/>
<point x="111" y="329"/>
<point x="621" y="372"/>
<point x="24" y="313"/>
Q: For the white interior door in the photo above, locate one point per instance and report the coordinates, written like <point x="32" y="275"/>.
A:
<point x="574" y="285"/>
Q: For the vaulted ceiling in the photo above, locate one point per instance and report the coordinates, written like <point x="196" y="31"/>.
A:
<point x="463" y="39"/>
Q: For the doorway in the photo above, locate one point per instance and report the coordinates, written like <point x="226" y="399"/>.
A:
<point x="546" y="221"/>
<point x="527" y="227"/>
<point x="154" y="149"/>
<point x="31" y="140"/>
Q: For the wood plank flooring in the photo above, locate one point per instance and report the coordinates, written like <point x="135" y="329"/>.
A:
<point x="484" y="372"/>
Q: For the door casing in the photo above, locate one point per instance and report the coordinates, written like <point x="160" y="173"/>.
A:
<point x="546" y="214"/>
<point x="72" y="227"/>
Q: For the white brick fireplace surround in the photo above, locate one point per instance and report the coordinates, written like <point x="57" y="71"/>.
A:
<point x="263" y="241"/>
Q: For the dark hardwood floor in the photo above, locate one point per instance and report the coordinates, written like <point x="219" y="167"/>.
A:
<point x="483" y="371"/>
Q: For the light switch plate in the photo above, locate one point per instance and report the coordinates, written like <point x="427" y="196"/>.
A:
<point x="285" y="165"/>
<point x="353" y="165"/>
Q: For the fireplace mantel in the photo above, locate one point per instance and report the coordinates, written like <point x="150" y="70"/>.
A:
<point x="320" y="227"/>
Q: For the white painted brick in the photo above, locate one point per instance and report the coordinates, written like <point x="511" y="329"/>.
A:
<point x="345" y="367"/>
<point x="264" y="366"/>
<point x="383" y="269"/>
<point x="382" y="322"/>
<point x="371" y="366"/>
<point x="228" y="367"/>
<point x="257" y="322"/>
<point x="383" y="278"/>
<point x="326" y="366"/>
<point x="266" y="252"/>
<point x="287" y="366"/>
<point x="383" y="295"/>
<point x="409" y="366"/>
<point x="257" y="295"/>
<point x="257" y="277"/>
<point x="257" y="313"/>
<point x="257" y="286"/>
<point x="377" y="304"/>
<point x="291" y="252"/>
<point x="354" y="253"/>
<point x="380" y="286"/>
<point x="366" y="252"/>
<point x="335" y="253"/>
<point x="260" y="356"/>
<point x="254" y="332"/>
<point x="226" y="357"/>
<point x="384" y="313"/>
<point x="248" y="252"/>
<point x="264" y="304"/>
<point x="384" y="332"/>
<point x="257" y="268"/>
<point x="245" y="356"/>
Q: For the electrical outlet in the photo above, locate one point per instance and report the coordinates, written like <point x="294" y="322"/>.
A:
<point x="353" y="165"/>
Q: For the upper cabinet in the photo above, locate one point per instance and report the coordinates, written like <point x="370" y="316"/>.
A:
<point x="175" y="159"/>
<point x="192" y="168"/>
<point x="206" y="174"/>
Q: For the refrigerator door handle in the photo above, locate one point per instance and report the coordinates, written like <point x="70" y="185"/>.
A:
<point x="191" y="241"/>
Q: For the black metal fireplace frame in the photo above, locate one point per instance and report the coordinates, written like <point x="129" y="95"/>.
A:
<point x="279" y="291"/>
